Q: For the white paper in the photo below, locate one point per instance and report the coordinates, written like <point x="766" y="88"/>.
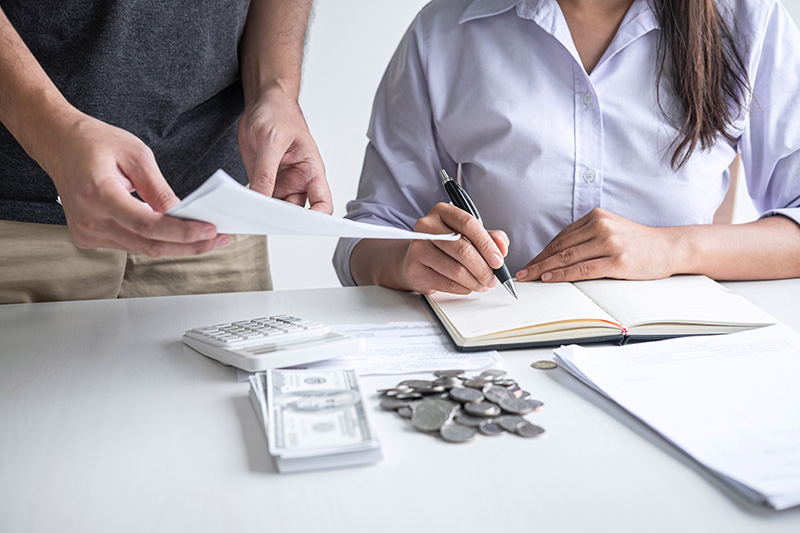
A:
<point x="730" y="401"/>
<point x="402" y="348"/>
<point x="232" y="208"/>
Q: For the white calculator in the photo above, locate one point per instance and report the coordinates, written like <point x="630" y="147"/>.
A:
<point x="271" y="342"/>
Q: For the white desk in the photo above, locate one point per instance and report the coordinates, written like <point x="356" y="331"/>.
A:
<point x="109" y="423"/>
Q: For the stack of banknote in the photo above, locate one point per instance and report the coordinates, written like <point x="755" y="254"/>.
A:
<point x="314" y="419"/>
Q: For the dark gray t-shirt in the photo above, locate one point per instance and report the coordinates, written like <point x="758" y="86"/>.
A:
<point x="165" y="70"/>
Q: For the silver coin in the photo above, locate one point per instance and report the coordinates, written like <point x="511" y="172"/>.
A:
<point x="447" y="382"/>
<point x="466" y="394"/>
<point x="477" y="383"/>
<point x="495" y="393"/>
<point x="429" y="389"/>
<point x="392" y="404"/>
<point x="431" y="414"/>
<point x="394" y="390"/>
<point x="482" y="409"/>
<point x="448" y="373"/>
<point x="507" y="383"/>
<point x="408" y="396"/>
<point x="406" y="412"/>
<point x="468" y="420"/>
<point x="416" y="384"/>
<point x="457" y="433"/>
<point x="490" y="428"/>
<point x="515" y="406"/>
<point x="510" y="422"/>
<point x="493" y="373"/>
<point x="544" y="365"/>
<point x="535" y="404"/>
<point x="525" y="395"/>
<point x="529" y="430"/>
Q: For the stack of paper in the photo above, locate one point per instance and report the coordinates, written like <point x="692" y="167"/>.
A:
<point x="314" y="419"/>
<point x="730" y="401"/>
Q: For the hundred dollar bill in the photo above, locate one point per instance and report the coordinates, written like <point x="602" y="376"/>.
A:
<point x="317" y="413"/>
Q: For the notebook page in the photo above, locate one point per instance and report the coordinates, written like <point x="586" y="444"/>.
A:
<point x="729" y="401"/>
<point x="684" y="299"/>
<point x="494" y="311"/>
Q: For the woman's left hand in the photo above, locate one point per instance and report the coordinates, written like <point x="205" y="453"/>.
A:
<point x="604" y="245"/>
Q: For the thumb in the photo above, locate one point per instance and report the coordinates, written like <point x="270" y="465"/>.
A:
<point x="145" y="176"/>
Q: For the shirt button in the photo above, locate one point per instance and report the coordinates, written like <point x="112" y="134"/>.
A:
<point x="589" y="175"/>
<point x="588" y="99"/>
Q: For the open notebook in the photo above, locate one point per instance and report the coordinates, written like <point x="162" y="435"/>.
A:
<point x="550" y="314"/>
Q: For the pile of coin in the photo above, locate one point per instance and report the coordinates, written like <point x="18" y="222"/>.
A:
<point x="457" y="407"/>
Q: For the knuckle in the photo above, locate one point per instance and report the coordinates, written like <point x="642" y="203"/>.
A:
<point x="584" y="269"/>
<point x="553" y="248"/>
<point x="456" y="270"/>
<point x="463" y="247"/>
<point x="564" y="257"/>
<point x="141" y="226"/>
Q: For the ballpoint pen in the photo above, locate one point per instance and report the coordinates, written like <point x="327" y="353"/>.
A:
<point x="460" y="198"/>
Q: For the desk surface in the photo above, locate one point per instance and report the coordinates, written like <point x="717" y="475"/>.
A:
<point x="109" y="423"/>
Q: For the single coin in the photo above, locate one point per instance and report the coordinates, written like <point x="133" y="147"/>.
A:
<point x="535" y="404"/>
<point x="493" y="373"/>
<point x="529" y="430"/>
<point x="466" y="394"/>
<point x="510" y="422"/>
<point x="448" y="373"/>
<point x="430" y="417"/>
<point x="457" y="433"/>
<point x="447" y="382"/>
<point x="408" y="396"/>
<point x="392" y="404"/>
<point x="477" y="383"/>
<point x="505" y="382"/>
<point x="482" y="409"/>
<point x="524" y="395"/>
<point x="406" y="412"/>
<point x="416" y="384"/>
<point x="515" y="406"/>
<point x="490" y="428"/>
<point x="394" y="390"/>
<point x="468" y="420"/>
<point x="544" y="365"/>
<point x="495" y="393"/>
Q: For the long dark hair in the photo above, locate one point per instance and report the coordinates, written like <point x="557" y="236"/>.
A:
<point x="698" y="56"/>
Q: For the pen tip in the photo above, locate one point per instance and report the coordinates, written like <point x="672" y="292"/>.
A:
<point x="509" y="285"/>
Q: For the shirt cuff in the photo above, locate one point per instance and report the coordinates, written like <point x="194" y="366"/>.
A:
<point x="790" y="212"/>
<point x="341" y="261"/>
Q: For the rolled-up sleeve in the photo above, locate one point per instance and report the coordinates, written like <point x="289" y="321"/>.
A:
<point x="399" y="179"/>
<point x="770" y="143"/>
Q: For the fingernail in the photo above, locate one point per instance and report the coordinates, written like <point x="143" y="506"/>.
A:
<point x="223" y="240"/>
<point x="496" y="261"/>
<point x="547" y="276"/>
<point x="522" y="274"/>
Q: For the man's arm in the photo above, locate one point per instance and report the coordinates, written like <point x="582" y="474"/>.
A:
<point x="279" y="154"/>
<point x="93" y="165"/>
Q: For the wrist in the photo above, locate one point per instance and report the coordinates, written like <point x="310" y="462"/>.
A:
<point x="685" y="254"/>
<point x="271" y="89"/>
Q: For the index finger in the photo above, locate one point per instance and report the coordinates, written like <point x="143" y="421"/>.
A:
<point x="468" y="226"/>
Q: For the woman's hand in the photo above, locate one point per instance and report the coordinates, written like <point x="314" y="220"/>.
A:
<point x="604" y="245"/>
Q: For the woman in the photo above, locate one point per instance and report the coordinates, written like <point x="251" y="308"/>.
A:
<point x="595" y="133"/>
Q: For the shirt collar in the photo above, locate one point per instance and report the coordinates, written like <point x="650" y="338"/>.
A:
<point x="545" y="12"/>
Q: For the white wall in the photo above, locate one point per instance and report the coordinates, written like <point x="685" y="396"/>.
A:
<point x="350" y="44"/>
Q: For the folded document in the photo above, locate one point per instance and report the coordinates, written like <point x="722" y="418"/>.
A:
<point x="729" y="401"/>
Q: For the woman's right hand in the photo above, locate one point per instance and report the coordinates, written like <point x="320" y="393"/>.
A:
<point x="460" y="266"/>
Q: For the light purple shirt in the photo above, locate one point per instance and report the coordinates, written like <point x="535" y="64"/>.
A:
<point x="498" y="86"/>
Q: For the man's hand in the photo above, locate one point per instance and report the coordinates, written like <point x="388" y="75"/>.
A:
<point x="95" y="167"/>
<point x="279" y="154"/>
<point x="604" y="245"/>
<point x="458" y="267"/>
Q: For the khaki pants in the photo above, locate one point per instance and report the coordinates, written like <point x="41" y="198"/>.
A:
<point x="39" y="263"/>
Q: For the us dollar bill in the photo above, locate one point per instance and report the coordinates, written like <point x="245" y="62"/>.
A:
<point x="315" y="413"/>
